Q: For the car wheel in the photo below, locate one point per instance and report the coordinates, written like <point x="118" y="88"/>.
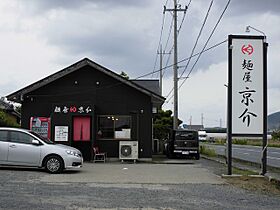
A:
<point x="54" y="164"/>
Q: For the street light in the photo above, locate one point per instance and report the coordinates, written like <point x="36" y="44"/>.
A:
<point x="250" y="27"/>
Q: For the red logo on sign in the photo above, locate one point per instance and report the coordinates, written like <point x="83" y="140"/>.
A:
<point x="73" y="109"/>
<point x="247" y="49"/>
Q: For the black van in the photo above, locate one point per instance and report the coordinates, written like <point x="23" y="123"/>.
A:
<point x="183" y="143"/>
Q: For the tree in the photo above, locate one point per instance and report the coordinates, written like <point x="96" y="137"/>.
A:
<point x="18" y="109"/>
<point x="6" y="120"/>
<point x="124" y="75"/>
<point x="163" y="122"/>
<point x="276" y="135"/>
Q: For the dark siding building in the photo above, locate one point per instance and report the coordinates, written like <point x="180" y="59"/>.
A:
<point x="86" y="104"/>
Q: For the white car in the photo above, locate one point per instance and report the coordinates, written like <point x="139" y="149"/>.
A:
<point x="20" y="147"/>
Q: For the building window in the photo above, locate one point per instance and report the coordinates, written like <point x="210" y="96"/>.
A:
<point x="114" y="127"/>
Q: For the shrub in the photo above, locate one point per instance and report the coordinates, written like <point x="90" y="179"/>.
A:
<point x="239" y="141"/>
<point x="6" y="120"/>
<point x="207" y="151"/>
<point x="276" y="135"/>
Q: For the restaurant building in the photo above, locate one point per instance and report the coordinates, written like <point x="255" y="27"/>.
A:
<point x="87" y="104"/>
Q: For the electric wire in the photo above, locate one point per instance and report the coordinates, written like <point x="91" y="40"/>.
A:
<point x="181" y="24"/>
<point x="205" y="45"/>
<point x="89" y="90"/>
<point x="160" y="37"/>
<point x="178" y="32"/>
<point x="185" y="59"/>
<point x="196" y="42"/>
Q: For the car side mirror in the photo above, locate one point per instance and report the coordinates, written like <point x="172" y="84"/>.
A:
<point x="35" y="142"/>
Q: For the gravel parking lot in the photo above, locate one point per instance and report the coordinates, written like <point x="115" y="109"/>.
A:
<point x="128" y="186"/>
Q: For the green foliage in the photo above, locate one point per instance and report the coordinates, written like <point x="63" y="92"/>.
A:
<point x="207" y="151"/>
<point x="163" y="122"/>
<point x="220" y="141"/>
<point x="239" y="141"/>
<point x="6" y="120"/>
<point x="124" y="75"/>
<point x="243" y="172"/>
<point x="276" y="135"/>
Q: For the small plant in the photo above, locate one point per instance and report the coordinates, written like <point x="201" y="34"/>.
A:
<point x="240" y="141"/>
<point x="243" y="172"/>
<point x="220" y="141"/>
<point x="207" y="151"/>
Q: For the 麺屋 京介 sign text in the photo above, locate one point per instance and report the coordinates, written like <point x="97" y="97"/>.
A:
<point x="247" y="84"/>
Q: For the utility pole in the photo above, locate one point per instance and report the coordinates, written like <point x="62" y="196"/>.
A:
<point x="177" y="8"/>
<point x="160" y="73"/>
<point x="160" y="68"/>
<point x="202" y="118"/>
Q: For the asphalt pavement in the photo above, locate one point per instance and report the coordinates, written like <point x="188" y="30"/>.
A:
<point x="165" y="185"/>
<point x="250" y="153"/>
<point x="143" y="173"/>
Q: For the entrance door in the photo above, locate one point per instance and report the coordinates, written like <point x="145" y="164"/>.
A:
<point x="81" y="128"/>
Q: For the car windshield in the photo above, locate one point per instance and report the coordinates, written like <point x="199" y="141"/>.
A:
<point x="44" y="139"/>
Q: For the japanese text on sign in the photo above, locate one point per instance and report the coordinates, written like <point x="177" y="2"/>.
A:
<point x="247" y="86"/>
<point x="72" y="109"/>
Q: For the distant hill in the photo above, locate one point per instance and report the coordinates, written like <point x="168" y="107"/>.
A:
<point x="273" y="121"/>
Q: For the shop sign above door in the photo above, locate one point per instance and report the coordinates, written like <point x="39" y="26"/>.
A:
<point x="73" y="109"/>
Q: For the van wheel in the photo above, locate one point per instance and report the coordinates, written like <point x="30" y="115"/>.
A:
<point x="54" y="164"/>
<point x="197" y="156"/>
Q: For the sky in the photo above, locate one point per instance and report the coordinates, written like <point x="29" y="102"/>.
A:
<point x="39" y="37"/>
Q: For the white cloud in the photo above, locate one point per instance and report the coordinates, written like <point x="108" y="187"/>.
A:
<point x="204" y="92"/>
<point x="40" y="37"/>
<point x="24" y="59"/>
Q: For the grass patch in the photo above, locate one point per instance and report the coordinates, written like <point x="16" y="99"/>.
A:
<point x="220" y="141"/>
<point x="207" y="151"/>
<point x="243" y="172"/>
<point x="252" y="142"/>
<point x="240" y="141"/>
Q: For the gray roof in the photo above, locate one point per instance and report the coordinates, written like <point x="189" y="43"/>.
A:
<point x="17" y="96"/>
<point x="152" y="85"/>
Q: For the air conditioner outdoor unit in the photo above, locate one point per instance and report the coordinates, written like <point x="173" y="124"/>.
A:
<point x="128" y="150"/>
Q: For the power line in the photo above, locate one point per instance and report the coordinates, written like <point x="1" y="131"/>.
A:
<point x="120" y="83"/>
<point x="183" y="60"/>
<point x="206" y="42"/>
<point x="205" y="45"/>
<point x="177" y="8"/>
<point x="160" y="37"/>
<point x="169" y="34"/>
<point x="180" y="27"/>
<point x="199" y="34"/>
<point x="181" y="24"/>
